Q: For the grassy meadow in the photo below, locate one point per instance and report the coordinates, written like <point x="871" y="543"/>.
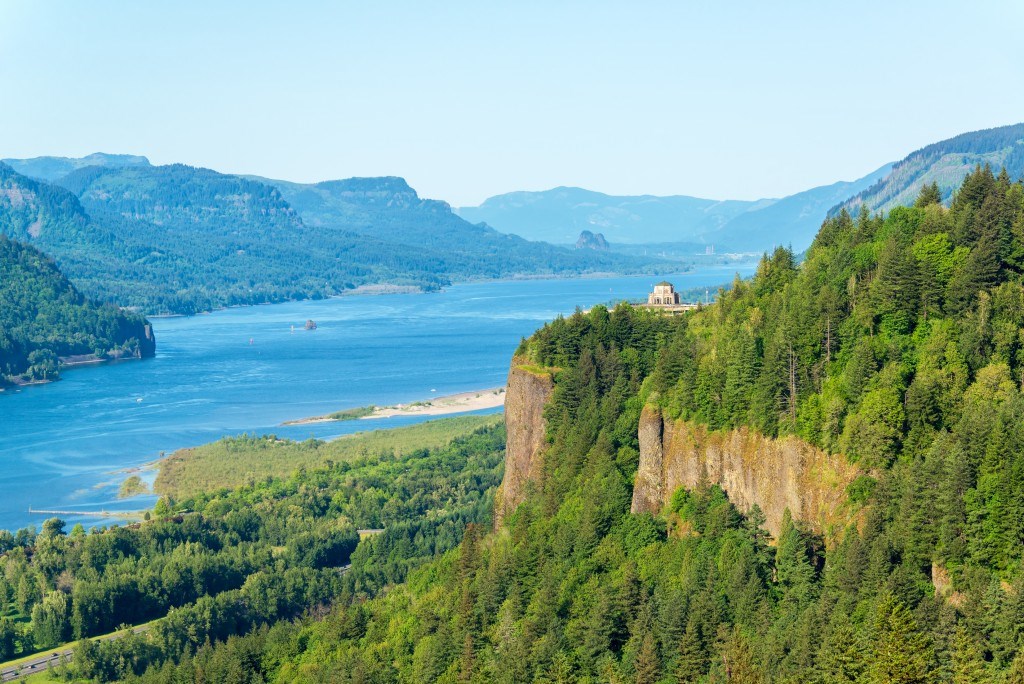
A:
<point x="235" y="461"/>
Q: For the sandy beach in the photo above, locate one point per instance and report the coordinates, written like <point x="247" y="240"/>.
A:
<point x="437" y="406"/>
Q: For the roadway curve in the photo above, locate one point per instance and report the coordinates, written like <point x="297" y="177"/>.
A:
<point x="39" y="663"/>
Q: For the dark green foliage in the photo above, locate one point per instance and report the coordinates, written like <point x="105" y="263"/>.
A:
<point x="929" y="195"/>
<point x="865" y="349"/>
<point x="43" y="317"/>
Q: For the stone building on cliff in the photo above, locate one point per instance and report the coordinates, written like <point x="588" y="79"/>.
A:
<point x="665" y="298"/>
<point x="664" y="295"/>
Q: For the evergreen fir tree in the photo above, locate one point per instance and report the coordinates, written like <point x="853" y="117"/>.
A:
<point x="928" y="195"/>
<point x="901" y="654"/>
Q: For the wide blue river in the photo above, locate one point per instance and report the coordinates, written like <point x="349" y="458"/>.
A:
<point x="65" y="445"/>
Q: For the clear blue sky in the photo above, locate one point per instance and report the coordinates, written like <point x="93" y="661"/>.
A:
<point x="737" y="99"/>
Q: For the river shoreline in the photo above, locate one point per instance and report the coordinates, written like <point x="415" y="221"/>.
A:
<point x="377" y="289"/>
<point x="61" y="441"/>
<point x="436" y="406"/>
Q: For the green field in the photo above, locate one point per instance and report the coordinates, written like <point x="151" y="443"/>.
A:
<point x="234" y="461"/>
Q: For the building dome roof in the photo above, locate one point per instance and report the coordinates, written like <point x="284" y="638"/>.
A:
<point x="663" y="283"/>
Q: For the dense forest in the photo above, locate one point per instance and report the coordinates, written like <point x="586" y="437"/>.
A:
<point x="224" y="562"/>
<point x="178" y="239"/>
<point x="43" y="317"/>
<point x="945" y="164"/>
<point x="898" y="343"/>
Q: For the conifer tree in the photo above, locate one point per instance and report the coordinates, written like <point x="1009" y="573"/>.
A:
<point x="648" y="665"/>
<point x="928" y="195"/>
<point x="691" y="664"/>
<point x="968" y="663"/>
<point x="901" y="654"/>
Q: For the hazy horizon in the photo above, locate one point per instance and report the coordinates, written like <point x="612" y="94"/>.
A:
<point x="468" y="102"/>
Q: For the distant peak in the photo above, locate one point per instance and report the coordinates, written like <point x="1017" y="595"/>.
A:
<point x="395" y="184"/>
<point x="107" y="159"/>
<point x="50" y="169"/>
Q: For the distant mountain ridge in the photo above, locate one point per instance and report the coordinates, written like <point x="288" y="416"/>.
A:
<point x="52" y="168"/>
<point x="181" y="239"/>
<point x="946" y="163"/>
<point x="389" y="210"/>
<point x="791" y="221"/>
<point x="558" y="215"/>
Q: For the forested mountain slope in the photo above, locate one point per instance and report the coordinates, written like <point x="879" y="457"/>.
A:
<point x="897" y="345"/>
<point x="944" y="163"/>
<point x="182" y="239"/>
<point x="43" y="317"/>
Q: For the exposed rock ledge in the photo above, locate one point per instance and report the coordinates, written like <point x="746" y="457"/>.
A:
<point x="776" y="474"/>
<point x="529" y="389"/>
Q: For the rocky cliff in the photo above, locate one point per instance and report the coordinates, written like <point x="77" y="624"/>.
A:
<point x="529" y="389"/>
<point x="775" y="474"/>
<point x="588" y="240"/>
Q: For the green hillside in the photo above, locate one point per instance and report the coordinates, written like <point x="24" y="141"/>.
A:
<point x="388" y="210"/>
<point x="897" y="344"/>
<point x="43" y="318"/>
<point x="946" y="164"/>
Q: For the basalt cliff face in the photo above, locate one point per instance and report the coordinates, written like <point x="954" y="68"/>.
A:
<point x="775" y="474"/>
<point x="529" y="390"/>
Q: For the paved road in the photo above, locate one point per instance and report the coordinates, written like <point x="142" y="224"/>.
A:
<point x="39" y="663"/>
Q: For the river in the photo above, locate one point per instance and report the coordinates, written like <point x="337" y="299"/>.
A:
<point x="66" y="445"/>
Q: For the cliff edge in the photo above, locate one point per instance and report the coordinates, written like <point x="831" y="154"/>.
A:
<point x="775" y="474"/>
<point x="529" y="389"/>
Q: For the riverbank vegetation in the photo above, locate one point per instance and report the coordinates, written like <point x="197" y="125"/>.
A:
<point x="898" y="343"/>
<point x="222" y="563"/>
<point x="43" y="317"/>
<point x="236" y="461"/>
<point x="132" y="486"/>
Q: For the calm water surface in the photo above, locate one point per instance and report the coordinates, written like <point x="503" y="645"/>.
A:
<point x="65" y="445"/>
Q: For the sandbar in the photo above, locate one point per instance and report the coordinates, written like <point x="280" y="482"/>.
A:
<point x="437" y="406"/>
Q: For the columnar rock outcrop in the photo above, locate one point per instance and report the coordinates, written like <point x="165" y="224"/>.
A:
<point x="775" y="474"/>
<point x="529" y="390"/>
